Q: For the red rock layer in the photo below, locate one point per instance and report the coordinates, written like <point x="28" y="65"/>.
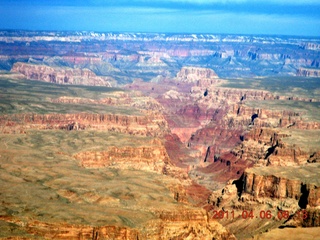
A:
<point x="179" y="224"/>
<point x="153" y="125"/>
<point x="281" y="188"/>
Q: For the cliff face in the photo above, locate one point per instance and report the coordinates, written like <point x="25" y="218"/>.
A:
<point x="258" y="147"/>
<point x="186" y="224"/>
<point x="225" y="109"/>
<point x="152" y="158"/>
<point x="263" y="146"/>
<point x="275" y="183"/>
<point x="298" y="185"/>
<point x="59" y="75"/>
<point x="179" y="224"/>
<point x="68" y="231"/>
<point x="271" y="186"/>
<point x="271" y="190"/>
<point x="153" y="125"/>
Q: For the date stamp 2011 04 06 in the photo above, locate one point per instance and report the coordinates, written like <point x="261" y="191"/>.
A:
<point x="250" y="214"/>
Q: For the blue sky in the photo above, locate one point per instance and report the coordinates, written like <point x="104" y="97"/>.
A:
<point x="286" y="17"/>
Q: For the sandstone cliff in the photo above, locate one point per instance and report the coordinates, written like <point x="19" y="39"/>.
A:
<point x="179" y="224"/>
<point x="147" y="158"/>
<point x="150" y="125"/>
<point x="186" y="224"/>
<point x="59" y="75"/>
<point x="276" y="190"/>
<point x="296" y="183"/>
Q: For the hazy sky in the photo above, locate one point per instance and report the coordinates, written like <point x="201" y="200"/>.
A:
<point x="287" y="17"/>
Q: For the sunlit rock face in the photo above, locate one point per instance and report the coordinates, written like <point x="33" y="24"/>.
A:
<point x="59" y="75"/>
<point x="287" y="195"/>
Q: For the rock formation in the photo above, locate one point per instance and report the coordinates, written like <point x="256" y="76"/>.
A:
<point x="59" y="75"/>
<point x="181" y="224"/>
<point x="284" y="185"/>
<point x="151" y="125"/>
<point x="152" y="158"/>
<point x="196" y="75"/>
<point x="289" y="195"/>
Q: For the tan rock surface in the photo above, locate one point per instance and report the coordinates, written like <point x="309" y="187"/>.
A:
<point x="59" y="75"/>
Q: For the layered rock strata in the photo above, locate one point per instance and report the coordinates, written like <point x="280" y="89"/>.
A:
<point x="154" y="125"/>
<point x="197" y="75"/>
<point x="299" y="183"/>
<point x="152" y="158"/>
<point x="289" y="195"/>
<point x="180" y="224"/>
<point x="59" y="75"/>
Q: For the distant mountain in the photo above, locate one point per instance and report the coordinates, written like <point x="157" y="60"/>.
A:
<point x="148" y="55"/>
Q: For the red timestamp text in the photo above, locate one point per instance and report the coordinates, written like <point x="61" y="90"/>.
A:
<point x="263" y="214"/>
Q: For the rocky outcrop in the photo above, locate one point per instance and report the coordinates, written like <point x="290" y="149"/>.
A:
<point x="195" y="74"/>
<point x="215" y="133"/>
<point x="227" y="157"/>
<point x="262" y="117"/>
<point x="266" y="147"/>
<point x="300" y="184"/>
<point x="59" y="75"/>
<point x="186" y="224"/>
<point x="289" y="195"/>
<point x="180" y="224"/>
<point x="150" y="125"/>
<point x="271" y="186"/>
<point x="148" y="158"/>
<point x="69" y="231"/>
<point x="308" y="72"/>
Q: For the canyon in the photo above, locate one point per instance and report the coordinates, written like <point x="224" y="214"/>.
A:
<point x="158" y="136"/>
